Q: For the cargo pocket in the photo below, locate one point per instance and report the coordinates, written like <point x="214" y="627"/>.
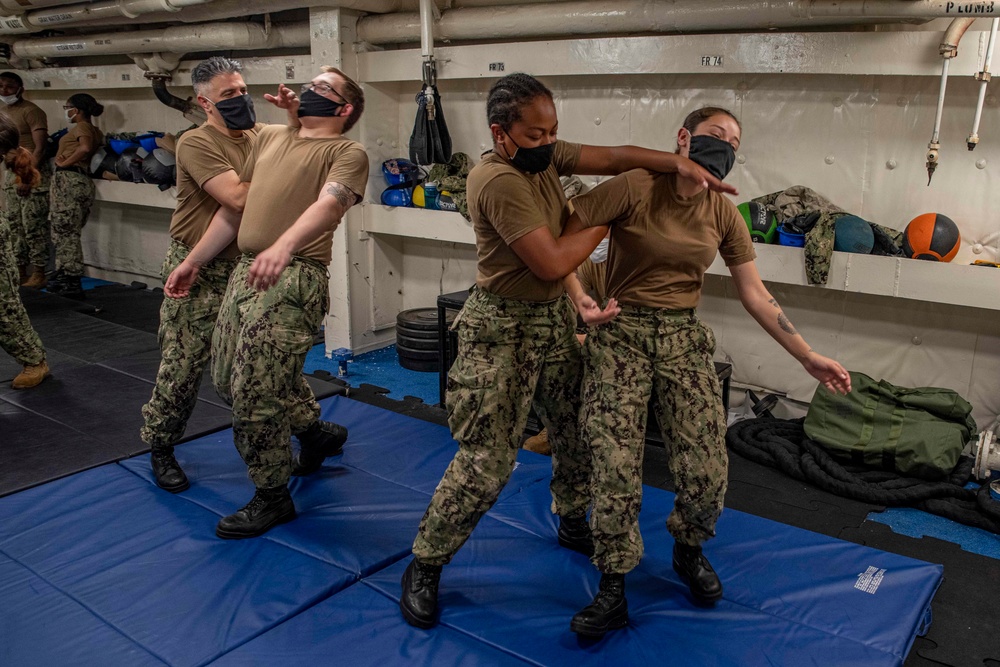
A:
<point x="291" y="339"/>
<point x="469" y="384"/>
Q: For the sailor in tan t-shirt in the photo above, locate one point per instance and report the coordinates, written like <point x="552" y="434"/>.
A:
<point x="302" y="182"/>
<point x="516" y="331"/>
<point x="71" y="195"/>
<point x="665" y="232"/>
<point x="209" y="160"/>
<point x="26" y="214"/>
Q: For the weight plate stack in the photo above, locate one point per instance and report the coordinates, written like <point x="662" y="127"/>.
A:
<point x="417" y="340"/>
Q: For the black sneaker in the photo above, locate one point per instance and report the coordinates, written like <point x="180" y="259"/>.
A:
<point x="695" y="570"/>
<point x="419" y="597"/>
<point x="167" y="472"/>
<point x="574" y="533"/>
<point x="267" y="509"/>
<point x="608" y="611"/>
<point x="319" y="442"/>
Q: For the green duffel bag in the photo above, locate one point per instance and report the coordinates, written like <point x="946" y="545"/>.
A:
<point x="916" y="432"/>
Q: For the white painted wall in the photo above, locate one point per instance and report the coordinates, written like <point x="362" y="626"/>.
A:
<point x="833" y="132"/>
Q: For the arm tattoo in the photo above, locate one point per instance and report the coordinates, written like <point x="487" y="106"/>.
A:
<point x="785" y="325"/>
<point x="343" y="194"/>
<point x="774" y="303"/>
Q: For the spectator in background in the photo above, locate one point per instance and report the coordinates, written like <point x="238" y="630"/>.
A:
<point x="72" y="192"/>
<point x="27" y="212"/>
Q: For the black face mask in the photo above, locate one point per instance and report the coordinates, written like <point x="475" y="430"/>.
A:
<point x="312" y="103"/>
<point x="237" y="112"/>
<point x="715" y="155"/>
<point x="533" y="160"/>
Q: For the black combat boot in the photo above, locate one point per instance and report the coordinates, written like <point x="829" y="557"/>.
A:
<point x="697" y="573"/>
<point x="66" y="285"/>
<point x="319" y="441"/>
<point x="419" y="598"/>
<point x="166" y="471"/>
<point x="608" y="611"/>
<point x="574" y="533"/>
<point x="266" y="509"/>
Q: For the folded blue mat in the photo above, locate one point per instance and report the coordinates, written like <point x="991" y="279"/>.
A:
<point x="148" y="564"/>
<point x="360" y="626"/>
<point x="792" y="597"/>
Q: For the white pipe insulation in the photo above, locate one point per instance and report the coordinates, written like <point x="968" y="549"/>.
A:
<point x="110" y="12"/>
<point x="180" y="39"/>
<point x="42" y="19"/>
<point x="592" y="17"/>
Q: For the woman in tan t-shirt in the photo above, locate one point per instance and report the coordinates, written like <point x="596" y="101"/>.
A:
<point x="516" y="342"/>
<point x="72" y="192"/>
<point x="665" y="233"/>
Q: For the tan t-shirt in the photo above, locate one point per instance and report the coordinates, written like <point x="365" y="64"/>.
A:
<point x="505" y="204"/>
<point x="27" y="116"/>
<point x="70" y="141"/>
<point x="662" y="243"/>
<point x="286" y="174"/>
<point x="592" y="278"/>
<point x="202" y="154"/>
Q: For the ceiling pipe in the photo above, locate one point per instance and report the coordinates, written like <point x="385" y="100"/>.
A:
<point x="896" y="9"/>
<point x="46" y="19"/>
<point x="20" y="6"/>
<point x="101" y="13"/>
<point x="598" y="17"/>
<point x="180" y="39"/>
<point x="188" y="108"/>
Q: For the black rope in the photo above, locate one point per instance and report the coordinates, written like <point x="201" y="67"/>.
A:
<point x="782" y="444"/>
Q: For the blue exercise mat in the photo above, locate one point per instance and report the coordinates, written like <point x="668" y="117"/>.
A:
<point x="38" y="621"/>
<point x="148" y="565"/>
<point x="124" y="569"/>
<point x="360" y="626"/>
<point x="346" y="517"/>
<point x="411" y="452"/>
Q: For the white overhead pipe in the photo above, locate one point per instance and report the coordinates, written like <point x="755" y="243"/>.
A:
<point x="103" y="13"/>
<point x="897" y="8"/>
<point x="591" y="17"/>
<point x="180" y="39"/>
<point x="984" y="80"/>
<point x="44" y="19"/>
<point x="19" y="6"/>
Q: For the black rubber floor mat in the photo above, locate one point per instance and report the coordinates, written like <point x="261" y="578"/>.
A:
<point x="145" y="366"/>
<point x="131" y="306"/>
<point x="89" y="338"/>
<point x="105" y="405"/>
<point x="410" y="405"/>
<point x="36" y="450"/>
<point x="57" y="361"/>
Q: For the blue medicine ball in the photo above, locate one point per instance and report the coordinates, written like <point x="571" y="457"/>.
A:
<point x="853" y="234"/>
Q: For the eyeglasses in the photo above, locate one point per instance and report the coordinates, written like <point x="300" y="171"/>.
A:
<point x="68" y="106"/>
<point x="322" y="89"/>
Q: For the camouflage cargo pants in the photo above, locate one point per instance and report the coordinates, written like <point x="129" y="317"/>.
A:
<point x="185" y="335"/>
<point x="510" y="354"/>
<point x="258" y="350"/>
<point x="27" y="220"/>
<point x="647" y="351"/>
<point x="72" y="195"/>
<point x="17" y="337"/>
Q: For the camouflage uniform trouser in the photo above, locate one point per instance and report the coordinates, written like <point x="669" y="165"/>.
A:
<point x="185" y="334"/>
<point x="72" y="195"/>
<point x="27" y="220"/>
<point x="510" y="354"/>
<point x="17" y="337"/>
<point x="647" y="350"/>
<point x="258" y="350"/>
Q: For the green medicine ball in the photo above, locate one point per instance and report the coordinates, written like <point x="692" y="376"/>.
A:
<point x="762" y="224"/>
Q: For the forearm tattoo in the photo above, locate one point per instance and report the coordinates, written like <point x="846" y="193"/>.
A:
<point x="344" y="196"/>
<point x="774" y="303"/>
<point x="785" y="325"/>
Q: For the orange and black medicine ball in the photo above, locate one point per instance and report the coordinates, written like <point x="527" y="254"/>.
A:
<point x="933" y="237"/>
